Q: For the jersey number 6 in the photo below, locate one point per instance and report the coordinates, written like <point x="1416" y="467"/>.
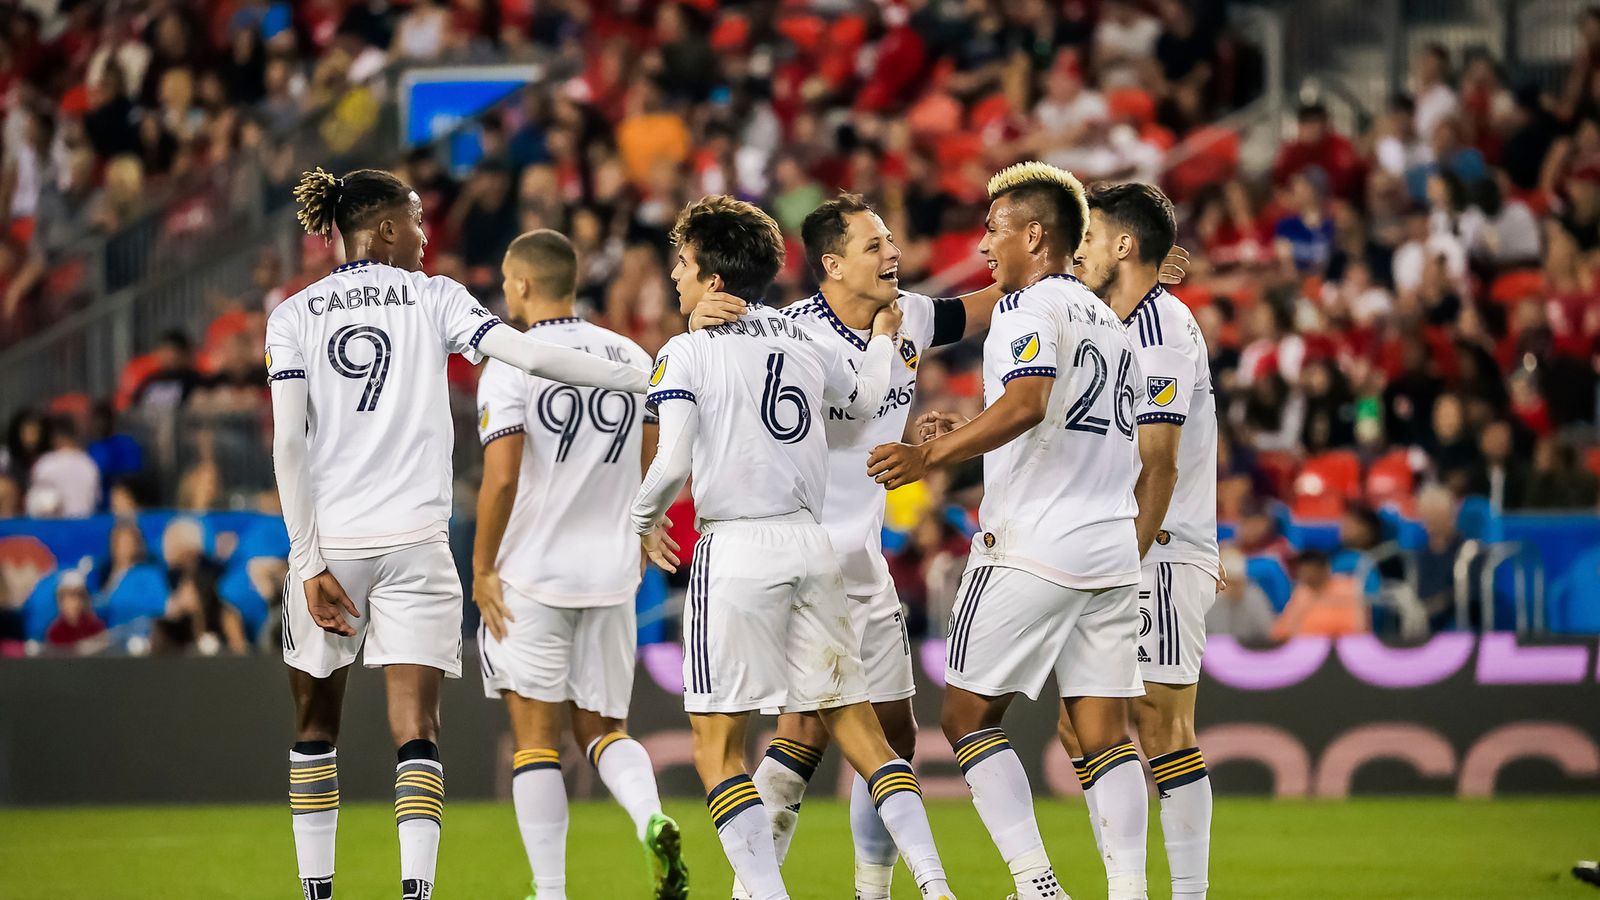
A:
<point x="774" y="395"/>
<point x="374" y="372"/>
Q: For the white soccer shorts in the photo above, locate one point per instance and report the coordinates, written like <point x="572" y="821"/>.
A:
<point x="1012" y="629"/>
<point x="556" y="654"/>
<point x="1173" y="601"/>
<point x="880" y="626"/>
<point x="410" y="603"/>
<point x="766" y="624"/>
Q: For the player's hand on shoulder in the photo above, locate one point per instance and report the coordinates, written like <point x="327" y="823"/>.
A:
<point x="490" y="600"/>
<point x="1174" y="267"/>
<point x="888" y="320"/>
<point x="938" y="424"/>
<point x="716" y="308"/>
<point x="660" y="547"/>
<point x="897" y="465"/>
<point x="327" y="602"/>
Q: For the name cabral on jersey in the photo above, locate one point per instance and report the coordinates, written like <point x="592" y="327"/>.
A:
<point x="367" y="295"/>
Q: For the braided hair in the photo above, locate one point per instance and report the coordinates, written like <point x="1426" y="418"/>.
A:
<point x="349" y="202"/>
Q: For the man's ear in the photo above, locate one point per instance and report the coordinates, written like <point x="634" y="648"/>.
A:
<point x="831" y="265"/>
<point x="1125" y="246"/>
<point x="387" y="231"/>
<point x="1035" y="236"/>
<point x="715" y="284"/>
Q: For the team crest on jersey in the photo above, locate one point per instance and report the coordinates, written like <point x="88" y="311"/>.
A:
<point x="908" y="353"/>
<point x="1163" y="537"/>
<point x="1025" y="348"/>
<point x="1162" y="390"/>
<point x="988" y="539"/>
<point x="660" y="370"/>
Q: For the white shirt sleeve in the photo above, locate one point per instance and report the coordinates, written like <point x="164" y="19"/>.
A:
<point x="290" y="449"/>
<point x="285" y="358"/>
<point x="461" y="319"/>
<point x="679" y="423"/>
<point x="1022" y="342"/>
<point x="1166" y="385"/>
<point x="858" y="391"/>
<point x="559" y="363"/>
<point x="502" y="402"/>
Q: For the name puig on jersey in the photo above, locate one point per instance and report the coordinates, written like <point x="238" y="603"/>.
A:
<point x="358" y="297"/>
<point x="752" y="326"/>
<point x="893" y="400"/>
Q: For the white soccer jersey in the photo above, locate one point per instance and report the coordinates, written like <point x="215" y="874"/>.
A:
<point x="568" y="542"/>
<point x="372" y="342"/>
<point x="853" y="510"/>
<point x="762" y="384"/>
<point x="1177" y="389"/>
<point x="1058" y="500"/>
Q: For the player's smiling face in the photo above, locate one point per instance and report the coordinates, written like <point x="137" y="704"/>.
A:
<point x="1005" y="244"/>
<point x="409" y="239"/>
<point x="686" y="276"/>
<point x="1096" y="260"/>
<point x="870" y="265"/>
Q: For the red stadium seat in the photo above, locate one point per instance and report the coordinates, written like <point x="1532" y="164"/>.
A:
<point x="1390" y="481"/>
<point x="1280" y="469"/>
<point x="1325" y="482"/>
<point x="1514" y="286"/>
<point x="133" y="374"/>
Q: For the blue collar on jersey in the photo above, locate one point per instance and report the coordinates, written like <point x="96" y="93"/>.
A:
<point x="833" y="319"/>
<point x="559" y="320"/>
<point x="354" y="264"/>
<point x="1067" y="275"/>
<point x="1149" y="297"/>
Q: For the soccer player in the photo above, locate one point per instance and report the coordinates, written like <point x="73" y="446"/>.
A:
<point x="856" y="263"/>
<point x="361" y="447"/>
<point x="1131" y="227"/>
<point x="742" y="407"/>
<point x="1051" y="585"/>
<point x="556" y="568"/>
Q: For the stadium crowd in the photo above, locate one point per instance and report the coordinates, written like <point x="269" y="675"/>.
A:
<point x="1398" y="317"/>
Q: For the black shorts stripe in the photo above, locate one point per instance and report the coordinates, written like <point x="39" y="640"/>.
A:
<point x="961" y="626"/>
<point x="288" y="633"/>
<point x="483" y="648"/>
<point x="699" y="587"/>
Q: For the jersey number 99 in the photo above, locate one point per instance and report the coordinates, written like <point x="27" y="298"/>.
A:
<point x="775" y="395"/>
<point x="561" y="411"/>
<point x="375" y="372"/>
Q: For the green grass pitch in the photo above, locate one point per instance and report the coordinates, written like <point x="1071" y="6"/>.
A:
<point x="1369" y="849"/>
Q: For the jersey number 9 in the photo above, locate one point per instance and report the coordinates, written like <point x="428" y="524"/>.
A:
<point x="374" y="372"/>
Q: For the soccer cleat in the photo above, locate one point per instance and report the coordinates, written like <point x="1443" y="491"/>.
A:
<point x="663" y="844"/>
<point x="1587" y="871"/>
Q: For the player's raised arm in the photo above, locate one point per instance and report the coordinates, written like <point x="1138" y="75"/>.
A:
<point x="672" y="392"/>
<point x="563" y="364"/>
<point x="860" y="391"/>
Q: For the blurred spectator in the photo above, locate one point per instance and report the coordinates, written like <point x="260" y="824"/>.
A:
<point x="1431" y="93"/>
<point x="174" y="378"/>
<point x="27" y="439"/>
<point x="65" y="482"/>
<point x="1323" y="604"/>
<point x="1558" y="482"/>
<point x="1330" y="412"/>
<point x="1305" y="235"/>
<point x="116" y="454"/>
<point x="485" y="215"/>
<point x="198" y="620"/>
<point x="1242" y="609"/>
<point x="1435" y="562"/>
<point x="75" y="619"/>
<point x="1498" y="475"/>
<point x="1317" y="145"/>
<point x="126" y="549"/>
<point x="1453" y="450"/>
<point x="650" y="134"/>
